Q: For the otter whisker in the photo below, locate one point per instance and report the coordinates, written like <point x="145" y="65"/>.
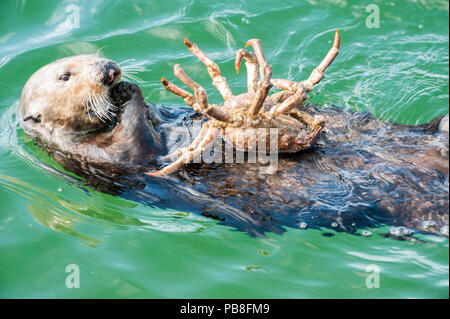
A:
<point x="99" y="50"/>
<point x="85" y="106"/>
<point x="132" y="77"/>
<point x="110" y="104"/>
<point x="129" y="60"/>
<point x="132" y="72"/>
<point x="95" y="109"/>
<point x="109" y="107"/>
<point x="91" y="105"/>
<point x="101" y="106"/>
<point x="134" y="68"/>
<point x="129" y="71"/>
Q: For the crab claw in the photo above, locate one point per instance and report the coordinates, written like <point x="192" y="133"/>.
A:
<point x="188" y="43"/>
<point x="251" y="42"/>
<point x="337" y="39"/>
<point x="237" y="62"/>
<point x="244" y="54"/>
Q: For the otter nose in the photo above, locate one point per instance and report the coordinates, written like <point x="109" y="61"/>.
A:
<point x="112" y="73"/>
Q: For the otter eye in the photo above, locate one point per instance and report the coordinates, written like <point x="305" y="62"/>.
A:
<point x="65" y="77"/>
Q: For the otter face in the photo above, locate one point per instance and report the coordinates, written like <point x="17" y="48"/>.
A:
<point x="71" y="94"/>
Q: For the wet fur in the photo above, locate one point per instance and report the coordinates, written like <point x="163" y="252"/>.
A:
<point x="360" y="173"/>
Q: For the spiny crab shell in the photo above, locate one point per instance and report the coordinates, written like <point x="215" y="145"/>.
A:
<point x="244" y="132"/>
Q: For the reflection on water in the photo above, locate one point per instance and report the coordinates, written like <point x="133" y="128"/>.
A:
<point x="53" y="210"/>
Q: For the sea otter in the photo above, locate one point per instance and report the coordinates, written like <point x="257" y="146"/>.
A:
<point x="361" y="172"/>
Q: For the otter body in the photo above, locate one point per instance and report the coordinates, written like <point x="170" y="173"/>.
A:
<point x="360" y="173"/>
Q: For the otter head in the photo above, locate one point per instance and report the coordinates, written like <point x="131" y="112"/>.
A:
<point x="70" y="95"/>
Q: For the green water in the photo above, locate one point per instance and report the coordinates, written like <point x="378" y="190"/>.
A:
<point x="124" y="249"/>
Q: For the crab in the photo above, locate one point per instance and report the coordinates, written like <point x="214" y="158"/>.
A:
<point x="253" y="111"/>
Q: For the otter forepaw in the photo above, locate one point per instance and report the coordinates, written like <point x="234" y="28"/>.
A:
<point x="123" y="92"/>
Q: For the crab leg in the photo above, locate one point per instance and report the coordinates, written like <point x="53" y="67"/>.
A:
<point x="281" y="96"/>
<point x="213" y="69"/>
<point x="187" y="97"/>
<point x="312" y="121"/>
<point x="252" y="68"/>
<point x="294" y="100"/>
<point x="286" y="84"/>
<point x="305" y="140"/>
<point x="211" y="110"/>
<point x="180" y="151"/>
<point x="189" y="156"/>
<point x="265" y="71"/>
<point x="303" y="87"/>
<point x="318" y="73"/>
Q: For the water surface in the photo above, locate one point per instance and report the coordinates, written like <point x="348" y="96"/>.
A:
<point x="399" y="72"/>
